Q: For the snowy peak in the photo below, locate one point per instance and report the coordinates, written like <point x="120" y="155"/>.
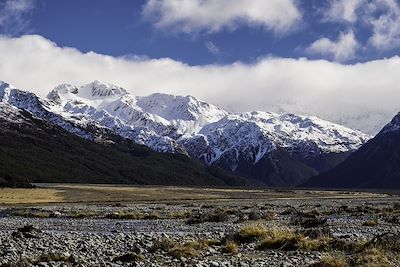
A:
<point x="5" y="90"/>
<point x="92" y="91"/>
<point x="181" y="108"/>
<point x="99" y="89"/>
<point x="61" y="91"/>
<point x="285" y="129"/>
<point x="252" y="135"/>
<point x="182" y="115"/>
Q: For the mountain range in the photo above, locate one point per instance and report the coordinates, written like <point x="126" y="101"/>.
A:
<point x="39" y="146"/>
<point x="262" y="147"/>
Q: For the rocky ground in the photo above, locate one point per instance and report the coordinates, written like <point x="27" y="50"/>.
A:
<point x="323" y="231"/>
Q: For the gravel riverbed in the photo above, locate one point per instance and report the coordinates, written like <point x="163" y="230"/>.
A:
<point x="157" y="234"/>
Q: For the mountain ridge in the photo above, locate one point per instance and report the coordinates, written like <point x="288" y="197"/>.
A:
<point x="373" y="165"/>
<point x="236" y="142"/>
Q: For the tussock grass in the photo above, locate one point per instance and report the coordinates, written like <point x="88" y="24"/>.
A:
<point x="57" y="257"/>
<point x="208" y="216"/>
<point x="289" y="239"/>
<point x="186" y="250"/>
<point x="179" y="214"/>
<point x="180" y="249"/>
<point x="331" y="260"/>
<point x="152" y="216"/>
<point x="230" y="247"/>
<point x="251" y="233"/>
<point x="283" y="239"/>
<point x="30" y="213"/>
<point x="371" y="258"/>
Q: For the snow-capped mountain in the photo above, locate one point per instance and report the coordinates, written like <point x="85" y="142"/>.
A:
<point x="40" y="108"/>
<point x="252" y="135"/>
<point x="157" y="121"/>
<point x="249" y="143"/>
<point x="270" y="147"/>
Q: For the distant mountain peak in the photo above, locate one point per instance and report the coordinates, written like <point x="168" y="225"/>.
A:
<point x="392" y="126"/>
<point x="101" y="89"/>
<point x="61" y="90"/>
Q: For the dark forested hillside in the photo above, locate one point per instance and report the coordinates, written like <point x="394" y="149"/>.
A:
<point x="32" y="150"/>
<point x="375" y="165"/>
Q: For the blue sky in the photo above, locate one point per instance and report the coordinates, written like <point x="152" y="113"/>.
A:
<point x="336" y="59"/>
<point x="123" y="27"/>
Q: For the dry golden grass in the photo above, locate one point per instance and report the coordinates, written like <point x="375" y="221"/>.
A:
<point x="331" y="260"/>
<point x="183" y="251"/>
<point x="289" y="239"/>
<point x="186" y="249"/>
<point x="283" y="239"/>
<point x="372" y="258"/>
<point x="231" y="248"/>
<point x="30" y="196"/>
<point x="252" y="232"/>
<point x="179" y="214"/>
<point x="87" y="193"/>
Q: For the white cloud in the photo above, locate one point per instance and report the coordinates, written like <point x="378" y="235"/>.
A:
<point x="15" y="15"/>
<point x="364" y="95"/>
<point x="381" y="17"/>
<point x="193" y="16"/>
<point x="343" y="10"/>
<point x="384" y="18"/>
<point x="343" y="49"/>
<point x="212" y="48"/>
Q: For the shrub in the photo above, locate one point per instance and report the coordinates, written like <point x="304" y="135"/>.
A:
<point x="254" y="215"/>
<point x="215" y="216"/>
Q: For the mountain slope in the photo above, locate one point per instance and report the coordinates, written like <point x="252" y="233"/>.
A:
<point x="375" y="165"/>
<point x="275" y="149"/>
<point x="34" y="150"/>
<point x="279" y="150"/>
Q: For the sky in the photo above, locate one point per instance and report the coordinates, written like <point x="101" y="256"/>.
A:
<point x="336" y="59"/>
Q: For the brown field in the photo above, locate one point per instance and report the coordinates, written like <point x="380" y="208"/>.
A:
<point x="85" y="193"/>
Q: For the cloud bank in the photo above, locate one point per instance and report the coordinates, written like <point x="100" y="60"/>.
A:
<point x="193" y="16"/>
<point x="363" y="96"/>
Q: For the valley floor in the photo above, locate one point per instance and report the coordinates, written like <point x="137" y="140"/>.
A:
<point x="106" y="225"/>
